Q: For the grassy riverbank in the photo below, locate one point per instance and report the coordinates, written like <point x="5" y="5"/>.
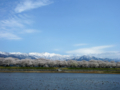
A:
<point x="99" y="72"/>
<point x="55" y="68"/>
<point x="28" y="67"/>
<point x="63" y="70"/>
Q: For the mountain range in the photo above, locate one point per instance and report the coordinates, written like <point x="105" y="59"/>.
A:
<point x="51" y="56"/>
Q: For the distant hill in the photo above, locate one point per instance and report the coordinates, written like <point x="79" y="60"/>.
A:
<point x="87" y="58"/>
<point x="52" y="56"/>
<point x="19" y="56"/>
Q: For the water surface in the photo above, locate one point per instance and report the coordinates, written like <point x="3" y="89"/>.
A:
<point x="59" y="81"/>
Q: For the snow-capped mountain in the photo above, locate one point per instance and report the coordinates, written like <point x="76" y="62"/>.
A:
<point x="51" y="56"/>
<point x="87" y="58"/>
<point x="46" y="55"/>
<point x="16" y="55"/>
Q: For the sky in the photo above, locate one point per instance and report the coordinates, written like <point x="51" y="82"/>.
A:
<point x="66" y="27"/>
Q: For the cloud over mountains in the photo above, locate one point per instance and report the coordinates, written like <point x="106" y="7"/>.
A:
<point x="99" y="51"/>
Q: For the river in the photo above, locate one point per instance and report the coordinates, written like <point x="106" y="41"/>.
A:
<point x="59" y="81"/>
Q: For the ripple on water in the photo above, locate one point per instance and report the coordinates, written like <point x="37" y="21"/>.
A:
<point x="59" y="81"/>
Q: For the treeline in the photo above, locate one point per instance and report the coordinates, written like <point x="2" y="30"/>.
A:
<point x="57" y="63"/>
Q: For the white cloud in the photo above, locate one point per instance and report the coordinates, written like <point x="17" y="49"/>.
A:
<point x="108" y="54"/>
<point x="91" y="50"/>
<point x="81" y="44"/>
<point x="30" y="31"/>
<point x="15" y="22"/>
<point x="18" y="23"/>
<point x="31" y="4"/>
<point x="98" y="51"/>
<point x="9" y="36"/>
<point x="12" y="22"/>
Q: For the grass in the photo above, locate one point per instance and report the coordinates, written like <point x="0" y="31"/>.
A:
<point x="1" y="67"/>
<point x="63" y="68"/>
<point x="70" y="68"/>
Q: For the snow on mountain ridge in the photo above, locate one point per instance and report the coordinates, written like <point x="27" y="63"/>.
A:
<point x="51" y="56"/>
<point x="2" y="52"/>
<point x="45" y="55"/>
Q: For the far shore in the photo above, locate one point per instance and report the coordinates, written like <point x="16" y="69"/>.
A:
<point x="60" y="70"/>
<point x="28" y="71"/>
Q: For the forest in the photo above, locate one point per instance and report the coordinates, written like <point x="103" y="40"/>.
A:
<point x="6" y="62"/>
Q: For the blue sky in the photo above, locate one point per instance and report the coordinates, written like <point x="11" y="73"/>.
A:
<point x="67" y="27"/>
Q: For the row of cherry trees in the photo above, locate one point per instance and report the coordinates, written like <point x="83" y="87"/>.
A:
<point x="57" y="63"/>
